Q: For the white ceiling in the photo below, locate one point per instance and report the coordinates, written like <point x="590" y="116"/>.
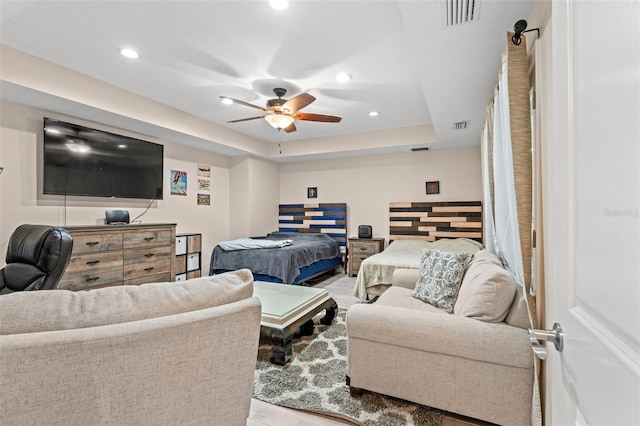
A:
<point x="405" y="62"/>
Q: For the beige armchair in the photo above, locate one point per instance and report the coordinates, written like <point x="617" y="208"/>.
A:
<point x="158" y="354"/>
<point x="480" y="368"/>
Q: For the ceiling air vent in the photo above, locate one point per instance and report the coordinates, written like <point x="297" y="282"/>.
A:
<point x="458" y="12"/>
<point x="461" y="125"/>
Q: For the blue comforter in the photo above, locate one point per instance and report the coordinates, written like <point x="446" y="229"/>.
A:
<point x="282" y="262"/>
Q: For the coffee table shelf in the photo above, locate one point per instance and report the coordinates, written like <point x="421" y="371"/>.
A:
<point x="287" y="308"/>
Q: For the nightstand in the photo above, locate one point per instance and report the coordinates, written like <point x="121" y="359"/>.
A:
<point x="360" y="249"/>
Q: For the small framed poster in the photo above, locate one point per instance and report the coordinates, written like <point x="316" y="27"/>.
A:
<point x="178" y="182"/>
<point x="433" y="187"/>
<point x="312" y="192"/>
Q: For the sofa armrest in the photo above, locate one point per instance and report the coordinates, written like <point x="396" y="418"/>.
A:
<point x="406" y="278"/>
<point x="448" y="334"/>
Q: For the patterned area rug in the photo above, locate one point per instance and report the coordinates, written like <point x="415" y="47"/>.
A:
<point x="315" y="381"/>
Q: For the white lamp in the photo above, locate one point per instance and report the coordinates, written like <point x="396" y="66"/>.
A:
<point x="279" y="121"/>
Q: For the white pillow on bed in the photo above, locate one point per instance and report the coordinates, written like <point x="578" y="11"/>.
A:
<point x="441" y="273"/>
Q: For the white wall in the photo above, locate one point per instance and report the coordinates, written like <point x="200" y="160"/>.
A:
<point x="255" y="191"/>
<point x="369" y="184"/>
<point x="21" y="199"/>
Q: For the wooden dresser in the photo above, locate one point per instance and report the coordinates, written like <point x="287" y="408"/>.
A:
<point x="360" y="249"/>
<point x="107" y="255"/>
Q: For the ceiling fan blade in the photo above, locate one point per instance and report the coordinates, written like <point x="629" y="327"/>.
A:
<point x="318" y="117"/>
<point x="290" y="128"/>
<point x="297" y="103"/>
<point x="245" y="119"/>
<point x="237" y="101"/>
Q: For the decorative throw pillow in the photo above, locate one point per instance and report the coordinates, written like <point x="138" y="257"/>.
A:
<point x="487" y="289"/>
<point x="441" y="273"/>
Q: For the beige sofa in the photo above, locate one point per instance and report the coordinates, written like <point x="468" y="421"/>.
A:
<point x="158" y="354"/>
<point x="476" y="362"/>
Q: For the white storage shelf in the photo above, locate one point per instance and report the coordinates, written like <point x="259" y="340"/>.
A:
<point x="188" y="254"/>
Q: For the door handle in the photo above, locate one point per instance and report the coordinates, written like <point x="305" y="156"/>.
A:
<point x="554" y="336"/>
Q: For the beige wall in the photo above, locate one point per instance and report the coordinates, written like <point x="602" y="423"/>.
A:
<point x="21" y="199"/>
<point x="255" y="192"/>
<point x="369" y="184"/>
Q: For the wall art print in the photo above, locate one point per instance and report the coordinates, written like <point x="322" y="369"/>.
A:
<point x="178" y="182"/>
<point x="204" y="200"/>
<point x="204" y="185"/>
<point x="204" y="170"/>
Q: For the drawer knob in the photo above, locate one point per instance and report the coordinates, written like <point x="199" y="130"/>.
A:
<point x="148" y="255"/>
<point x="148" y="239"/>
<point x="89" y="279"/>
<point x="149" y="269"/>
<point x="363" y="248"/>
<point x="93" y="262"/>
<point x="92" y="243"/>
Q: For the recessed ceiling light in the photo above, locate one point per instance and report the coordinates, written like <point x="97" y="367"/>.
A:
<point x="279" y="4"/>
<point x="129" y="53"/>
<point x="374" y="114"/>
<point x="226" y="101"/>
<point x="343" y="77"/>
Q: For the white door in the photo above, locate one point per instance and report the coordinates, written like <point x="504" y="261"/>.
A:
<point x="591" y="202"/>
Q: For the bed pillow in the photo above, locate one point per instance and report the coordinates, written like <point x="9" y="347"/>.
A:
<point x="487" y="289"/>
<point x="441" y="273"/>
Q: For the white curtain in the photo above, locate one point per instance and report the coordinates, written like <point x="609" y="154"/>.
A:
<point x="507" y="235"/>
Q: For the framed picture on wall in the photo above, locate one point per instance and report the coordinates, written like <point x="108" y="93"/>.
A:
<point x="433" y="187"/>
<point x="312" y="192"/>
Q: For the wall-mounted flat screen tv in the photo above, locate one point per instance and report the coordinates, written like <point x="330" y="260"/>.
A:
<point x="82" y="161"/>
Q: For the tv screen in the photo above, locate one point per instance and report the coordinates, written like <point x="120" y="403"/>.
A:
<point x="83" y="161"/>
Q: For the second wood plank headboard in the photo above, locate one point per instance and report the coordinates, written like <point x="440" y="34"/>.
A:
<point x="435" y="220"/>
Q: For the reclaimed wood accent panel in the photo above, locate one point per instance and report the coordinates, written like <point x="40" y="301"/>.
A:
<point x="326" y="218"/>
<point x="433" y="221"/>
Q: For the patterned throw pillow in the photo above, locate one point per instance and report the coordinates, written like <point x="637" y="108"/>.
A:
<point x="441" y="273"/>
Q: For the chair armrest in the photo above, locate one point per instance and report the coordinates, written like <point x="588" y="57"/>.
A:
<point x="406" y="278"/>
<point x="442" y="333"/>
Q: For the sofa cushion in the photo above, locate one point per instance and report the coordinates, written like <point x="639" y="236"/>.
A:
<point x="441" y="273"/>
<point x="38" y="311"/>
<point x="400" y="297"/>
<point x="487" y="289"/>
<point x="518" y="315"/>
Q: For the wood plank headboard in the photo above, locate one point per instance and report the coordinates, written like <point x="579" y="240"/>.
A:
<point x="432" y="221"/>
<point x="326" y="218"/>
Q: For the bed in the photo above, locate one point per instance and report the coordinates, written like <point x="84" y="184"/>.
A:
<point x="317" y="235"/>
<point x="413" y="227"/>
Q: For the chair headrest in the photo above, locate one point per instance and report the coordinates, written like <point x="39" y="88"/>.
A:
<point x="38" y="245"/>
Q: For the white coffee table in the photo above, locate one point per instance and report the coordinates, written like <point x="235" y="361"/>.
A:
<point x="287" y="308"/>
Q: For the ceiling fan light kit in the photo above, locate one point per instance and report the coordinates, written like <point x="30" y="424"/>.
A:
<point x="279" y="121"/>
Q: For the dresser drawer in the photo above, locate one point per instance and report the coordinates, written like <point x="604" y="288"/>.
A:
<point x="91" y="279"/>
<point x="91" y="243"/>
<point x="147" y="254"/>
<point x="153" y="278"/>
<point x="146" y="268"/>
<point x="364" y="249"/>
<point x="93" y="261"/>
<point x="149" y="238"/>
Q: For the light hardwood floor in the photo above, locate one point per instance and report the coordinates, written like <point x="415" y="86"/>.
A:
<point x="264" y="414"/>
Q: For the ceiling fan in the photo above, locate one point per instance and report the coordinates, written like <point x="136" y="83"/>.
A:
<point x="282" y="113"/>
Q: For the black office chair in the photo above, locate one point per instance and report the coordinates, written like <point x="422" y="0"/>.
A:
<point x="37" y="256"/>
